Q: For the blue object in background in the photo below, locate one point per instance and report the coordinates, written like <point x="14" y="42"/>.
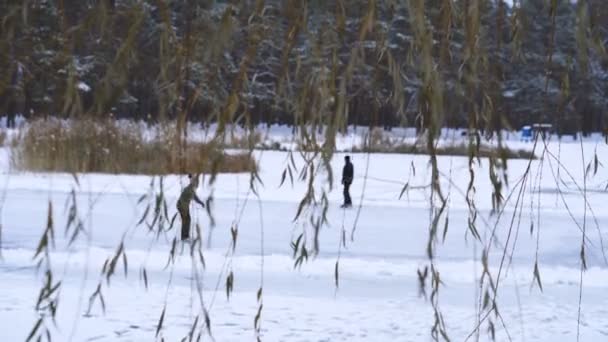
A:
<point x="526" y="133"/>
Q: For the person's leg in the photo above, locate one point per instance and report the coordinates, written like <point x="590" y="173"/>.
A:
<point x="350" y="200"/>
<point x="185" y="216"/>
<point x="347" y="200"/>
<point x="10" y="120"/>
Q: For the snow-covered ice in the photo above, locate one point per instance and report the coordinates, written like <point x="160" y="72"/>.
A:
<point x="378" y="296"/>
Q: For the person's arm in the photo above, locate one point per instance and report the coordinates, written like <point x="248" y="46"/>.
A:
<point x="198" y="200"/>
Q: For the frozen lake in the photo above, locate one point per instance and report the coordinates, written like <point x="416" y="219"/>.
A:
<point x="378" y="296"/>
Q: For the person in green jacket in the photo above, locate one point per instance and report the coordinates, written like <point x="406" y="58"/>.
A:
<point x="183" y="205"/>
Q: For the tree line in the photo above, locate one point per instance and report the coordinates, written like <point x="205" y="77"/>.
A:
<point x="483" y="63"/>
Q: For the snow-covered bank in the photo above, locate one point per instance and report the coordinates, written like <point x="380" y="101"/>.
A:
<point x="282" y="136"/>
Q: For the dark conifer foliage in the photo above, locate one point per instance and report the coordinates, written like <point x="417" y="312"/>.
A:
<point x="533" y="62"/>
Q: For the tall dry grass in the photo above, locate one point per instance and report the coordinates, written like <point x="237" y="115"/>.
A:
<point x="247" y="141"/>
<point x="108" y="146"/>
<point x="379" y="142"/>
<point x="462" y="149"/>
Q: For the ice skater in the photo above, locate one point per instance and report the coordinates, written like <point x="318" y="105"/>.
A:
<point x="347" y="180"/>
<point x="183" y="205"/>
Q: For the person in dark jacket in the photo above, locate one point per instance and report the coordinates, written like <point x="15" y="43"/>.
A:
<point x="347" y="179"/>
<point x="183" y="205"/>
